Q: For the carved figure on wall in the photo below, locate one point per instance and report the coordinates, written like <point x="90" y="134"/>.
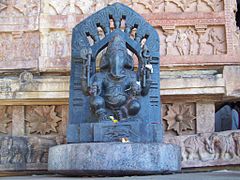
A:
<point x="196" y="145"/>
<point x="43" y="119"/>
<point x="5" y="119"/>
<point x="192" y="40"/>
<point x="236" y="138"/>
<point x="202" y="43"/>
<point x="13" y="151"/>
<point x="216" y="42"/>
<point x="39" y="149"/>
<point x="22" y="150"/>
<point x="222" y="145"/>
<point x="59" y="45"/>
<point x="181" y="42"/>
<point x="169" y="43"/>
<point x="116" y="86"/>
<point x="27" y="82"/>
<point x="179" y="118"/>
<point x="30" y="41"/>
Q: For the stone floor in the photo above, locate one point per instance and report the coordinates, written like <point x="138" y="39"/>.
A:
<point x="218" y="175"/>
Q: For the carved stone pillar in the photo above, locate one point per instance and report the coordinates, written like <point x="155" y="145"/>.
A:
<point x="205" y="117"/>
<point x="18" y="122"/>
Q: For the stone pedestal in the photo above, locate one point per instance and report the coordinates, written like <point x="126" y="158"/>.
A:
<point x="114" y="159"/>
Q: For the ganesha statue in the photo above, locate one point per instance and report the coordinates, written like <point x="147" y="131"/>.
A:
<point x="115" y="89"/>
<point x="114" y="86"/>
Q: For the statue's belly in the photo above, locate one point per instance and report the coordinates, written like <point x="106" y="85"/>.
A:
<point x="115" y="97"/>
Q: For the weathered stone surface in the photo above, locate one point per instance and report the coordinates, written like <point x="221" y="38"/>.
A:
<point x="201" y="32"/>
<point x="231" y="75"/>
<point x="28" y="86"/>
<point x="114" y="158"/>
<point x="57" y="87"/>
<point x="205" y="117"/>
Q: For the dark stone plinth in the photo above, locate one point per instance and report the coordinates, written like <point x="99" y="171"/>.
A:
<point x="114" y="159"/>
<point x="135" y="131"/>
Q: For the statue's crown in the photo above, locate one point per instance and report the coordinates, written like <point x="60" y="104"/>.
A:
<point x="116" y="44"/>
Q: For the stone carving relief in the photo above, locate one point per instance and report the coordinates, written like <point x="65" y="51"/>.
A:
<point x="5" y="88"/>
<point x="58" y="47"/>
<point x="26" y="81"/>
<point x="216" y="42"/>
<point x="19" y="7"/>
<point x="185" y="41"/>
<point x="5" y="46"/>
<point x="209" y="147"/>
<point x="23" y="150"/>
<point x="223" y="145"/>
<point x="195" y="147"/>
<point x="5" y="119"/>
<point x="156" y="6"/>
<point x="179" y="118"/>
<point x="64" y="7"/>
<point x="19" y="46"/>
<point x="233" y="26"/>
<point x="43" y="119"/>
<point x="38" y="148"/>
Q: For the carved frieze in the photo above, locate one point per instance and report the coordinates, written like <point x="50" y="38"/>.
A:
<point x="55" y="50"/>
<point x="190" y="41"/>
<point x="43" y="119"/>
<point x="19" y="8"/>
<point x="156" y="6"/>
<point x="179" y="118"/>
<point x="5" y="119"/>
<point x="65" y="7"/>
<point x="19" y="15"/>
<point x="25" y="150"/>
<point x="209" y="148"/>
<point x="19" y="47"/>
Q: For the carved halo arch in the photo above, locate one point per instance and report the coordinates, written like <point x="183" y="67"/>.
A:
<point x="118" y="13"/>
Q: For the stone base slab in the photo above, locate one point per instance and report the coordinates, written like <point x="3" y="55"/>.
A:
<point x="114" y="159"/>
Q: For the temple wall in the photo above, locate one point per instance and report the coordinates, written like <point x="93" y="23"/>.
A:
<point x="200" y="67"/>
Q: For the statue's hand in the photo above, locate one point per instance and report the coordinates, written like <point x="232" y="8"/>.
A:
<point x="93" y="90"/>
<point x="84" y="52"/>
<point x="136" y="88"/>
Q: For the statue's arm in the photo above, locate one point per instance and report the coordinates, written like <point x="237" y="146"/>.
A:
<point x="85" y="56"/>
<point x="146" y="89"/>
<point x="96" y="85"/>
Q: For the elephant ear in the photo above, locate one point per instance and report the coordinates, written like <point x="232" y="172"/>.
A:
<point x="104" y="63"/>
<point x="129" y="62"/>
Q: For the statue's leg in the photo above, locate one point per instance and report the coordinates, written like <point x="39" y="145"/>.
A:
<point x="133" y="107"/>
<point x="97" y="104"/>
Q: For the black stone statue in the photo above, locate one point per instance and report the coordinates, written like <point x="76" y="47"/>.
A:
<point x="117" y="102"/>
